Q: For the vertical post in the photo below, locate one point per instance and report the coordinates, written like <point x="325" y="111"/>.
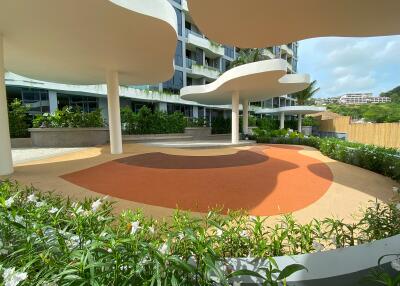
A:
<point x="235" y="117"/>
<point x="53" y="101"/>
<point x="282" y="125"/>
<point x="245" y="116"/>
<point x="6" y="163"/>
<point x="299" y="119"/>
<point x="114" y="117"/>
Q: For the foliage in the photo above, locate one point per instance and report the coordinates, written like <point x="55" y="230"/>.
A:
<point x="269" y="124"/>
<point x="69" y="117"/>
<point x="379" y="113"/>
<point x="310" y="121"/>
<point x="246" y="56"/>
<point x="197" y="122"/>
<point x="306" y="94"/>
<point x="63" y="242"/>
<point x="385" y="161"/>
<point x="148" y="122"/>
<point x="382" y="276"/>
<point x="221" y="125"/>
<point x="394" y="94"/>
<point x="18" y="119"/>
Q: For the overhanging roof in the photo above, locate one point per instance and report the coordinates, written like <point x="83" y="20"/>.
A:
<point x="77" y="41"/>
<point x="255" y="81"/>
<point x="292" y="110"/>
<point x="265" y="23"/>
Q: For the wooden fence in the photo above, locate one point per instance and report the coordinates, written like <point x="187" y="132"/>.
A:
<point x="380" y="134"/>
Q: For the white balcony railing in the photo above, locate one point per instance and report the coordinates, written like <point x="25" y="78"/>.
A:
<point x="199" y="40"/>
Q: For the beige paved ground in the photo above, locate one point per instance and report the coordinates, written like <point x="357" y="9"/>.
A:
<point x="352" y="188"/>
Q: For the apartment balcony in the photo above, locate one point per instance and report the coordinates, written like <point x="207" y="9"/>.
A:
<point x="288" y="50"/>
<point x="198" y="71"/>
<point x="198" y="40"/>
<point x="267" y="53"/>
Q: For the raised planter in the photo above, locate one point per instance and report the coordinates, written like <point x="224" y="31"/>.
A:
<point x="69" y="137"/>
<point x="198" y="132"/>
<point x="307" y="130"/>
<point x="344" y="267"/>
<point x="21" y="142"/>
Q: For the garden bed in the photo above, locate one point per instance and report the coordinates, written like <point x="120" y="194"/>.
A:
<point x="69" y="137"/>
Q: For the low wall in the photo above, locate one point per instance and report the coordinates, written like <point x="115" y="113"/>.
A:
<point x="69" y="137"/>
<point x="198" y="132"/>
<point x="21" y="142"/>
<point x="344" y="267"/>
<point x="155" y="137"/>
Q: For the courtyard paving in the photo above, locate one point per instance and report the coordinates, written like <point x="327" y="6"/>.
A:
<point x="265" y="180"/>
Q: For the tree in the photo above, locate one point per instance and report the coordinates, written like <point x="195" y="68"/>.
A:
<point x="304" y="95"/>
<point x="247" y="56"/>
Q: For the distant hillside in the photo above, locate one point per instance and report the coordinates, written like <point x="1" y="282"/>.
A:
<point x="394" y="94"/>
<point x="388" y="112"/>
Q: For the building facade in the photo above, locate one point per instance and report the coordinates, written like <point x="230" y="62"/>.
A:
<point x="198" y="60"/>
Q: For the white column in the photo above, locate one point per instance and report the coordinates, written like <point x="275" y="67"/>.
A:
<point x="114" y="117"/>
<point x="299" y="119"/>
<point x="195" y="112"/>
<point x="53" y="101"/>
<point x="245" y="116"/>
<point x="6" y="164"/>
<point x="235" y="117"/>
<point x="282" y="125"/>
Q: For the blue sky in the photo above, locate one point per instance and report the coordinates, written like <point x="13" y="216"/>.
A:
<point x="343" y="65"/>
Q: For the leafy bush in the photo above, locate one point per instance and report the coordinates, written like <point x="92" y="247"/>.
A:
<point x="221" y="125"/>
<point x="148" y="122"/>
<point x="197" y="122"/>
<point x="270" y="124"/>
<point x="379" y="113"/>
<point x="18" y="119"/>
<point x="310" y="121"/>
<point x="69" y="117"/>
<point x="385" y="161"/>
<point x="62" y="242"/>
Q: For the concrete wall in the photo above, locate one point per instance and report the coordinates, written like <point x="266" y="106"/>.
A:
<point x="380" y="134"/>
<point x="69" y="137"/>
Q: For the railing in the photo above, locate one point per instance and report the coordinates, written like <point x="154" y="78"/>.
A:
<point x="187" y="32"/>
<point x="190" y="63"/>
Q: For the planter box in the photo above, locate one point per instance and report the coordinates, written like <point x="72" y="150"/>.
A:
<point x="21" y="142"/>
<point x="69" y="137"/>
<point x="198" y="132"/>
<point x="307" y="130"/>
<point x="344" y="267"/>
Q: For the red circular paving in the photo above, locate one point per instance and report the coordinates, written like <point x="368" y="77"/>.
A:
<point x="265" y="180"/>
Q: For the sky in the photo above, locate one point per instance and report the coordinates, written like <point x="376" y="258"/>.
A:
<point x="345" y="65"/>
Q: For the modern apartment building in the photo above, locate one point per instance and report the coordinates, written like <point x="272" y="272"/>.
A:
<point x="362" y="98"/>
<point x="197" y="61"/>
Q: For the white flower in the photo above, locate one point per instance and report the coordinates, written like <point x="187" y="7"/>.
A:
<point x="243" y="233"/>
<point x="96" y="205"/>
<point x="40" y="204"/>
<point x="3" y="251"/>
<point x="317" y="246"/>
<point x="32" y="198"/>
<point x="18" y="219"/>
<point x="395" y="190"/>
<point x="396" y="264"/>
<point x="74" y="242"/>
<point x="135" y="226"/>
<point x="109" y="250"/>
<point x="12" y="277"/>
<point x="79" y="210"/>
<point x="181" y="236"/>
<point x="163" y="249"/>
<point x="152" y="230"/>
<point x="219" y="232"/>
<point x="252" y="218"/>
<point x="53" y="210"/>
<point x="9" y="202"/>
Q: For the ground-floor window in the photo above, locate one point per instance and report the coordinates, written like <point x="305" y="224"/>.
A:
<point x="85" y="103"/>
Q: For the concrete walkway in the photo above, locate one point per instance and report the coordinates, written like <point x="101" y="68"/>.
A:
<point x="23" y="155"/>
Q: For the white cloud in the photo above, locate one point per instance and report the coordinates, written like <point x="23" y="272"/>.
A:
<point x="342" y="65"/>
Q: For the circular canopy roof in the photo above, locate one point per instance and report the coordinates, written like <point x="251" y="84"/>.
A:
<point x="77" y="41"/>
<point x="265" y="23"/>
<point x="255" y="81"/>
<point x="292" y="110"/>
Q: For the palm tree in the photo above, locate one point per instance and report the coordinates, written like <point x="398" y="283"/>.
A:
<point x="247" y="56"/>
<point x="305" y="95"/>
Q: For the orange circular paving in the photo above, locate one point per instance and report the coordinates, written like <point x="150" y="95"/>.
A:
<point x="264" y="180"/>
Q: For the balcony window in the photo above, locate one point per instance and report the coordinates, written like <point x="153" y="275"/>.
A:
<point x="179" y="17"/>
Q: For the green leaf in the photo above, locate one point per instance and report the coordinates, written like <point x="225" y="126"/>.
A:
<point x="290" y="269"/>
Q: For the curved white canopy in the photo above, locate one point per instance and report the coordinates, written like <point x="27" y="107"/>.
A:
<point x="77" y="41"/>
<point x="292" y="110"/>
<point x="265" y="23"/>
<point x="255" y="81"/>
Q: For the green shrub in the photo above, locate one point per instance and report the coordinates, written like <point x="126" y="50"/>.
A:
<point x="62" y="242"/>
<point x="310" y="121"/>
<point x="221" y="125"/>
<point x="197" y="122"/>
<point x="18" y="119"/>
<point x="148" y="122"/>
<point x="69" y="117"/>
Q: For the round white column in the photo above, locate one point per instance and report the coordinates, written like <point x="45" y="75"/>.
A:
<point x="6" y="164"/>
<point x="282" y="121"/>
<point x="235" y="117"/>
<point x="114" y="117"/>
<point x="245" y="116"/>
<point x="299" y="119"/>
